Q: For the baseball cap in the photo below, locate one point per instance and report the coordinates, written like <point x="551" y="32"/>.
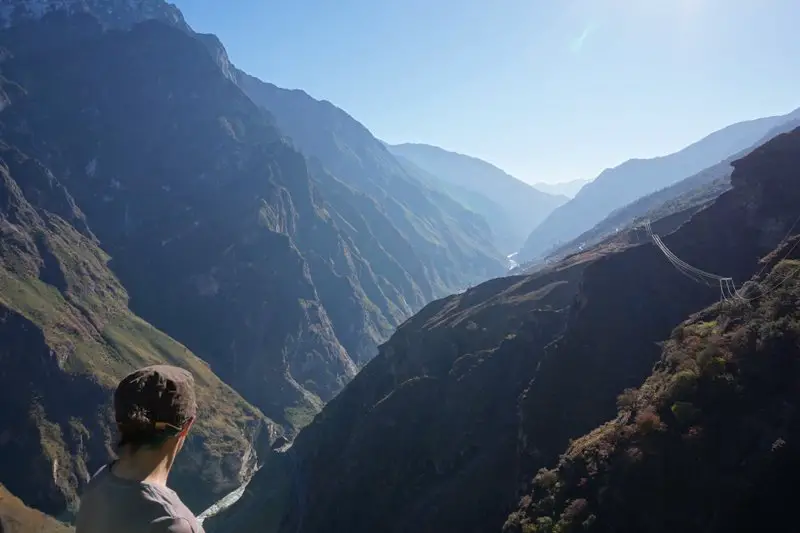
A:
<point x="154" y="400"/>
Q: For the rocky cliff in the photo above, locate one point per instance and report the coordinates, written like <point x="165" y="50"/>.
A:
<point x="707" y="443"/>
<point x="450" y="246"/>
<point x="477" y="392"/>
<point x="151" y="211"/>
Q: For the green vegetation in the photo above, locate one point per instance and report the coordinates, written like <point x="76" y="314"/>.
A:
<point x="80" y="338"/>
<point x="301" y="415"/>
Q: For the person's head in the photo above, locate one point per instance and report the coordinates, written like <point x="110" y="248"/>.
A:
<point x="154" y="408"/>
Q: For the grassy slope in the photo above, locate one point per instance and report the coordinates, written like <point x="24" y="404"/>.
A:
<point x="16" y="517"/>
<point x="86" y="324"/>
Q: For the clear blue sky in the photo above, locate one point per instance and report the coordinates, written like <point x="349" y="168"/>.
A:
<point x="549" y="90"/>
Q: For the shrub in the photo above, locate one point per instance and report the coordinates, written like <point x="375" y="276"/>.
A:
<point x="682" y="385"/>
<point x="545" y="478"/>
<point x="634" y="454"/>
<point x="684" y="412"/>
<point x="544" y="524"/>
<point x="576" y="511"/>
<point x="648" y="420"/>
<point x="627" y="399"/>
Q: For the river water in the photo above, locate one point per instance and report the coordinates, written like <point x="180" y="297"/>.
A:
<point x="512" y="263"/>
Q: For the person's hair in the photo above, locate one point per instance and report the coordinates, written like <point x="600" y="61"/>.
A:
<point x="135" y="440"/>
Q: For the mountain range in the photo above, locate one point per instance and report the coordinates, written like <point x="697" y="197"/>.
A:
<point x="690" y="193"/>
<point x="511" y="207"/>
<point x="616" y="187"/>
<point x="363" y="361"/>
<point x="565" y="188"/>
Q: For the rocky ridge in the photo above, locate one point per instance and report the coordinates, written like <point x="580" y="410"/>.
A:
<point x="688" y="194"/>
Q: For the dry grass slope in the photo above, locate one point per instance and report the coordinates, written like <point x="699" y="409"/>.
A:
<point x="16" y="517"/>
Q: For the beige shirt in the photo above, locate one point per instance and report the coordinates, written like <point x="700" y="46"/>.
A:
<point x="114" y="505"/>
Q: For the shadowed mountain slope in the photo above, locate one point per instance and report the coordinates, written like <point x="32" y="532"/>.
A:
<point x="453" y="244"/>
<point x="707" y="443"/>
<point x="477" y="392"/>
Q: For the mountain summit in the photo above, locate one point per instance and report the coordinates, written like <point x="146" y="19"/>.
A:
<point x="111" y="13"/>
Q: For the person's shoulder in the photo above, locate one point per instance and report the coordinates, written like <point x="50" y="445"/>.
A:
<point x="177" y="518"/>
<point x="175" y="524"/>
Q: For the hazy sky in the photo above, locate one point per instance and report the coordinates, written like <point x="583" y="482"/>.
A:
<point x="549" y="90"/>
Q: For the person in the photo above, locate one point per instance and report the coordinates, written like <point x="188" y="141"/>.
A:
<point x="154" y="409"/>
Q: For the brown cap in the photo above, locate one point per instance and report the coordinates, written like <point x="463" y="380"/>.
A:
<point x="155" y="399"/>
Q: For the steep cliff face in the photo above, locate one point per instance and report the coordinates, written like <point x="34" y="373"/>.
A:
<point x="451" y="247"/>
<point x="68" y="337"/>
<point x="708" y="442"/>
<point x="432" y="414"/>
<point x="191" y="192"/>
<point x="451" y="396"/>
<point x="398" y="244"/>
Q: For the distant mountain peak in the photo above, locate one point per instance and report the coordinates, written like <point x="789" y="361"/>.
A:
<point x="635" y="178"/>
<point x="566" y="188"/>
<point x="511" y="206"/>
<point x="111" y="13"/>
